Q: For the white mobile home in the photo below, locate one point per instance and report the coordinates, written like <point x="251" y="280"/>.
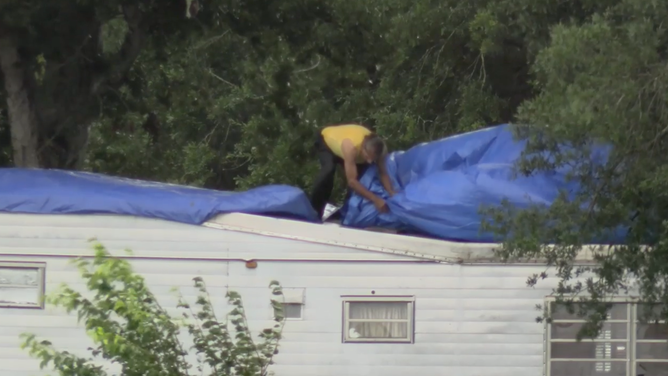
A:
<point x="456" y="311"/>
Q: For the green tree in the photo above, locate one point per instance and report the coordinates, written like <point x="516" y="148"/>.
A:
<point x="239" y="105"/>
<point x="173" y="121"/>
<point x="603" y="80"/>
<point x="132" y="330"/>
<point x="61" y="59"/>
<point x="233" y="99"/>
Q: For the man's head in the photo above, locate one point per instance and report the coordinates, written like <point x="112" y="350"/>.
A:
<point x="373" y="148"/>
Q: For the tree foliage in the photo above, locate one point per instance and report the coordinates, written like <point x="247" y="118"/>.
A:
<point x="130" y="328"/>
<point x="238" y="103"/>
<point x="61" y="59"/>
<point x="601" y="81"/>
<point x="234" y="98"/>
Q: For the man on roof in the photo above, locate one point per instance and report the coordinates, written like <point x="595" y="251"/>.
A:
<point x="354" y="147"/>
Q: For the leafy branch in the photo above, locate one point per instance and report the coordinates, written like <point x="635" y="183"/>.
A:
<point x="132" y="331"/>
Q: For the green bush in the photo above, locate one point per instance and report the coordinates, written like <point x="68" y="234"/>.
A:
<point x="131" y="329"/>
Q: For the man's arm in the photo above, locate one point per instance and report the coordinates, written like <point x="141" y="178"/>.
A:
<point x="384" y="178"/>
<point x="349" y="154"/>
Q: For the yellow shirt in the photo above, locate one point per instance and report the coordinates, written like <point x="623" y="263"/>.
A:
<point x="335" y="134"/>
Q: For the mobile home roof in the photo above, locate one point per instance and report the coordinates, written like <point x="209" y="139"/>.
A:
<point x="334" y="234"/>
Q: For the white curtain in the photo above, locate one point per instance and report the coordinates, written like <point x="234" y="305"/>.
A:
<point x="376" y="316"/>
<point x="19" y="285"/>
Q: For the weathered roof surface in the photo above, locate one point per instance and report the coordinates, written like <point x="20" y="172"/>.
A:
<point x="373" y="241"/>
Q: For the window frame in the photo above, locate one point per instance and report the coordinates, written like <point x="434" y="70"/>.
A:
<point x="632" y="304"/>
<point x="410" y="320"/>
<point x="41" y="283"/>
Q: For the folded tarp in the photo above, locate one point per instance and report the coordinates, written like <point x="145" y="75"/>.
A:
<point x="65" y="192"/>
<point x="443" y="184"/>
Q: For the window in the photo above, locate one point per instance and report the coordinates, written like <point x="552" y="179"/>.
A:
<point x="293" y="303"/>
<point x="629" y="344"/>
<point x="21" y="285"/>
<point x="378" y="319"/>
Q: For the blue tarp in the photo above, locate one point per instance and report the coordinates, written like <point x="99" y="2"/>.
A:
<point x="442" y="185"/>
<point x="65" y="192"/>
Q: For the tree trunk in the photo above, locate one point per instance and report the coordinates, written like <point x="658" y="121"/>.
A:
<point x="22" y="117"/>
<point x="49" y="122"/>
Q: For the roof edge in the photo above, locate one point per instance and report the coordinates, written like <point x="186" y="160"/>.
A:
<point x="404" y="245"/>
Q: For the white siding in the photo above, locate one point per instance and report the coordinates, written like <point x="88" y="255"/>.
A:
<point x="470" y="320"/>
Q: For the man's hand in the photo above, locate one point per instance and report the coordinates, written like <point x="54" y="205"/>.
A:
<point x="349" y="154"/>
<point x="381" y="205"/>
